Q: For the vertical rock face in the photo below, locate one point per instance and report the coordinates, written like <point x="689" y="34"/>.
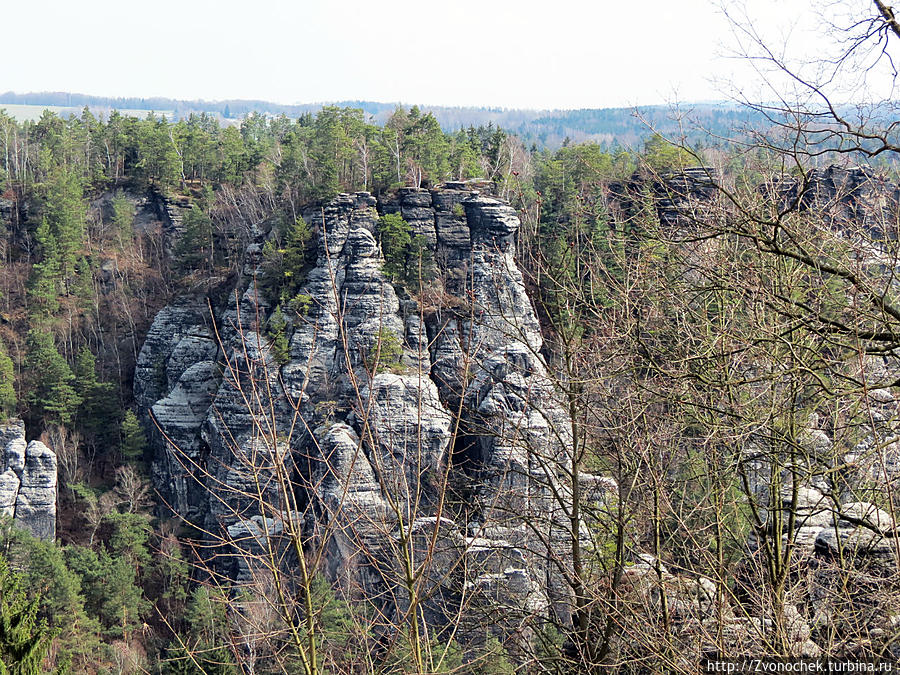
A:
<point x="28" y="482"/>
<point x="855" y="196"/>
<point x="382" y="403"/>
<point x="417" y="432"/>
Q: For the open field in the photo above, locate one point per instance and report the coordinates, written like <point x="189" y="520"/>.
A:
<point x="33" y="113"/>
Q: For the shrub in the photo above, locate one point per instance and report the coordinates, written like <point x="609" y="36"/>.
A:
<point x="385" y="353"/>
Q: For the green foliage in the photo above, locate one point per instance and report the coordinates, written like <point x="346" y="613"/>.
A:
<point x="340" y="639"/>
<point x="407" y="257"/>
<point x="661" y="155"/>
<point x="277" y="328"/>
<point x="134" y="442"/>
<point x="98" y="415"/>
<point x="52" y="398"/>
<point x="123" y="217"/>
<point x="110" y="589"/>
<point x="301" y="303"/>
<point x="580" y="250"/>
<point x="234" y="156"/>
<point x="549" y="649"/>
<point x="492" y="660"/>
<point x="46" y="275"/>
<point x="55" y="589"/>
<point x="169" y="577"/>
<point x="439" y="656"/>
<point x="7" y="390"/>
<point x="420" y="268"/>
<point x="82" y="285"/>
<point x="412" y="150"/>
<point x="127" y="537"/>
<point x="284" y="263"/>
<point x="205" y="645"/>
<point x="465" y="152"/>
<point x="396" y="236"/>
<point x="24" y="640"/>
<point x="64" y="210"/>
<point x="386" y="352"/>
<point x="154" y="144"/>
<point x="572" y="180"/>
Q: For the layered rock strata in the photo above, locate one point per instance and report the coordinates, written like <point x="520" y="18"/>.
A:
<point x="28" y="482"/>
<point x="351" y="445"/>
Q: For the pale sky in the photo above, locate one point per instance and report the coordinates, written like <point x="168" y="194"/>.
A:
<point x="505" y="53"/>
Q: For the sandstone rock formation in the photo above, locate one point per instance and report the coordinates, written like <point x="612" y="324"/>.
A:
<point x="450" y="458"/>
<point x="28" y="482"/>
<point x="368" y="449"/>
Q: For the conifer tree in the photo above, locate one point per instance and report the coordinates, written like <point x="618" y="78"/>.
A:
<point x="283" y="262"/>
<point x="83" y="286"/>
<point x="24" y="641"/>
<point x="97" y="415"/>
<point x="195" y="245"/>
<point x="123" y="217"/>
<point x="51" y="395"/>
<point x="281" y="350"/>
<point x="206" y="643"/>
<point x="111" y="592"/>
<point x="395" y="241"/>
<point x="43" y="285"/>
<point x="65" y="213"/>
<point x="134" y="443"/>
<point x="7" y="390"/>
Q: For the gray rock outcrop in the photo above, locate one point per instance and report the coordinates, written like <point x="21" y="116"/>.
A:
<point x="28" y="482"/>
<point x="360" y="448"/>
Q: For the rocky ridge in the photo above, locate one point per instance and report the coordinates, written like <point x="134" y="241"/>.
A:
<point x="367" y="448"/>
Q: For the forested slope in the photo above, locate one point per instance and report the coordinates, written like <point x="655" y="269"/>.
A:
<point x="105" y="221"/>
<point x="678" y="442"/>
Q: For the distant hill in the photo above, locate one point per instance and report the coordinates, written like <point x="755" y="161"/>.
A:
<point x="610" y="127"/>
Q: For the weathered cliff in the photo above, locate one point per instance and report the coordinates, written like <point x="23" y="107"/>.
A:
<point x="28" y="482"/>
<point x="357" y="449"/>
<point x="414" y="443"/>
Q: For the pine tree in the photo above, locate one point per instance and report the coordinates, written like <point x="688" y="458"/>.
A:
<point x="123" y="217"/>
<point x="97" y="416"/>
<point x="83" y="285"/>
<point x="65" y="213"/>
<point x="51" y="395"/>
<point x="24" y="641"/>
<point x="194" y="248"/>
<point x="55" y="589"/>
<point x="420" y="267"/>
<point x="111" y="592"/>
<point x="284" y="262"/>
<point x="44" y="282"/>
<point x="662" y="155"/>
<point x="395" y="240"/>
<point x="207" y="638"/>
<point x="134" y="443"/>
<point x="7" y="390"/>
<point x="277" y="329"/>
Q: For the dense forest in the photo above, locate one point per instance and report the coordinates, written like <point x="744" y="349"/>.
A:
<point x="83" y="274"/>
<point x="378" y="389"/>
<point x="581" y="397"/>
